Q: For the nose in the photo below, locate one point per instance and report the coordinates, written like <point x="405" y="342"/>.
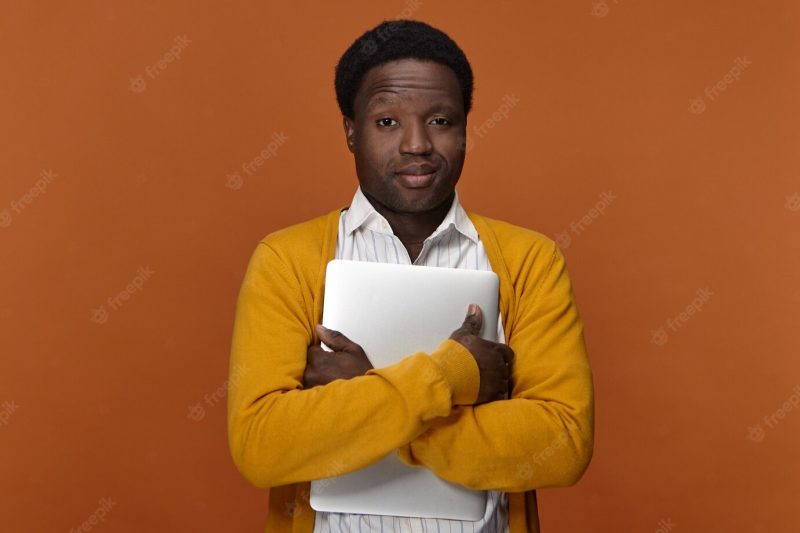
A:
<point x="416" y="139"/>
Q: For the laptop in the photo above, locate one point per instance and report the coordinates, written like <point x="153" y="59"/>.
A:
<point x="393" y="311"/>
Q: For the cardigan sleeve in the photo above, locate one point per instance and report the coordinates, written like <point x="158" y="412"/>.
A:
<point x="542" y="436"/>
<point x="280" y="433"/>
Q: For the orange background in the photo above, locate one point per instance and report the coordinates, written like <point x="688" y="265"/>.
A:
<point x="703" y="198"/>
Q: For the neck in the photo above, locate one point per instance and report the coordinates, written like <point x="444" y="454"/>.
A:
<point x="413" y="228"/>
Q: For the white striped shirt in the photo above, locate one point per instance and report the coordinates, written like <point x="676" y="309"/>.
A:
<point x="365" y="235"/>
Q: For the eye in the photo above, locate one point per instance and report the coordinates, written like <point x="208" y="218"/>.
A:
<point x="441" y="121"/>
<point x="386" y="122"/>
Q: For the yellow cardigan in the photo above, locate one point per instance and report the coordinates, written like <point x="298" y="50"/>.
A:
<point x="282" y="435"/>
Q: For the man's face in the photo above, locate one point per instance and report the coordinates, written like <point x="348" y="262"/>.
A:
<point x="408" y="135"/>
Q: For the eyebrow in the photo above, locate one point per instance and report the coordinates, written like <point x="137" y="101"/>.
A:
<point x="382" y="99"/>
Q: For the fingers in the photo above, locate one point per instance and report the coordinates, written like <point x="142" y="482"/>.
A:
<point x="474" y="320"/>
<point x="315" y="351"/>
<point x="335" y="340"/>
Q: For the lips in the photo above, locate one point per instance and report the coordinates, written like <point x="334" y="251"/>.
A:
<point x="417" y="170"/>
<point x="417" y="176"/>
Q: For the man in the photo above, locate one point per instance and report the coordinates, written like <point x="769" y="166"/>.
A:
<point x="297" y="413"/>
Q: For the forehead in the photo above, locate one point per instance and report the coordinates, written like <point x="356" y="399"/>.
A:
<point x="408" y="79"/>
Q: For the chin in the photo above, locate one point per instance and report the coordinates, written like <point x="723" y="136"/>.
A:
<point x="425" y="200"/>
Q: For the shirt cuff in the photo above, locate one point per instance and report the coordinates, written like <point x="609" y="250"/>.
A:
<point x="460" y="371"/>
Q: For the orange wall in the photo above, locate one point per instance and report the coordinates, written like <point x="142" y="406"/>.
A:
<point x="620" y="97"/>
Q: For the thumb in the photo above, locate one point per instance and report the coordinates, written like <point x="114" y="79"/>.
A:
<point x="474" y="320"/>
<point x="334" y="339"/>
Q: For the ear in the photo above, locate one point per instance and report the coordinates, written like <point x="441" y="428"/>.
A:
<point x="349" y="133"/>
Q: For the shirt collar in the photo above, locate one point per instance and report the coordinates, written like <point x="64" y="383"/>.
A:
<point x="361" y="214"/>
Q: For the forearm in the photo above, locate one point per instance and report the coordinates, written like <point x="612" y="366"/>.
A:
<point x="541" y="437"/>
<point x="299" y="435"/>
<point x="507" y="445"/>
<point x="280" y="433"/>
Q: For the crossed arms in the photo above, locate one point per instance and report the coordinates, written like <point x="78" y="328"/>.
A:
<point x="424" y="407"/>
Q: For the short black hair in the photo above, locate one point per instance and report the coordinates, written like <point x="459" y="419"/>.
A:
<point x="398" y="39"/>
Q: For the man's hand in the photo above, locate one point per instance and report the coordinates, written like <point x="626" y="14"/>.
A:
<point x="494" y="359"/>
<point x="347" y="360"/>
